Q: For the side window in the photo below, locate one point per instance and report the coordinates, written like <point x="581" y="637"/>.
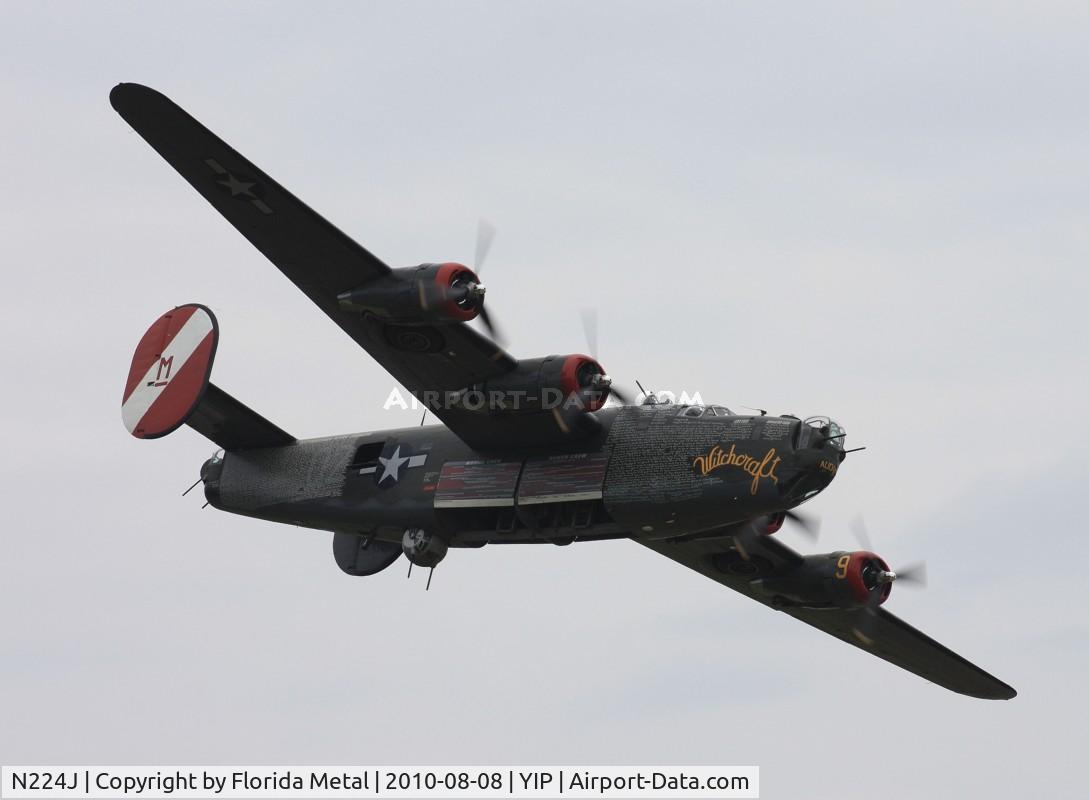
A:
<point x="366" y="457"/>
<point x="693" y="411"/>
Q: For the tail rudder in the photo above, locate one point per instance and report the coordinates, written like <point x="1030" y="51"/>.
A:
<point x="169" y="385"/>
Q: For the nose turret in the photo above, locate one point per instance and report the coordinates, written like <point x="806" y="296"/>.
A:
<point x="817" y="457"/>
<point x="823" y="432"/>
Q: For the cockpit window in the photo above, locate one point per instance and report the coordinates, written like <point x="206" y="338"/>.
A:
<point x="705" y="411"/>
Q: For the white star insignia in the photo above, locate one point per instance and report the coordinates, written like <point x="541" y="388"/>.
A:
<point x="391" y="467"/>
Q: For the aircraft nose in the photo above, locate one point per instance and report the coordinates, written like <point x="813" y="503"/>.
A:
<point x="815" y="459"/>
<point x="819" y="463"/>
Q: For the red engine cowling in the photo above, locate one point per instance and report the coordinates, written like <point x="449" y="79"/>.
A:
<point x="561" y="384"/>
<point x="862" y="570"/>
<point x="452" y="290"/>
<point x="429" y="293"/>
<point x="585" y="378"/>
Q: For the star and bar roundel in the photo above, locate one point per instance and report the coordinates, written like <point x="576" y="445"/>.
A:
<point x="169" y="371"/>
<point x="391" y="465"/>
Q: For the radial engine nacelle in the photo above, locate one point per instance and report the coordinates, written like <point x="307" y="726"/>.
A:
<point x="571" y="383"/>
<point x="429" y="293"/>
<point x="833" y="580"/>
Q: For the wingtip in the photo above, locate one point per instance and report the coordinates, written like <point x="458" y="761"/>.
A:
<point x="117" y="94"/>
<point x="1000" y="692"/>
<point x="127" y="91"/>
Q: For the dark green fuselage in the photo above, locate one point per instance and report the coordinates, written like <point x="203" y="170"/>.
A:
<point x="652" y="471"/>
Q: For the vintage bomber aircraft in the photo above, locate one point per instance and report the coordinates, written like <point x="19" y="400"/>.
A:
<point x="529" y="451"/>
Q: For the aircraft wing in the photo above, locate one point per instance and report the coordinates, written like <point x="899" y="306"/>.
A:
<point x="324" y="262"/>
<point x="308" y="249"/>
<point x="886" y="636"/>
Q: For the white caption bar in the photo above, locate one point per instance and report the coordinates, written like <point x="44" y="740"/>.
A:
<point x="292" y="783"/>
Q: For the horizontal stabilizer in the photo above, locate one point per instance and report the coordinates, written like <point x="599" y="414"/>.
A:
<point x="233" y="425"/>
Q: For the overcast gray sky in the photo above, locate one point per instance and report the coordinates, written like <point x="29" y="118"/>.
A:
<point x="874" y="213"/>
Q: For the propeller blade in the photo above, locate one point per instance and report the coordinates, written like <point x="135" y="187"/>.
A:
<point x="589" y="330"/>
<point x="491" y="327"/>
<point x="740" y="547"/>
<point x="867" y="617"/>
<point x="746" y="539"/>
<point x="858" y="528"/>
<point x="912" y="574"/>
<point x="485" y="234"/>
<point x="620" y="395"/>
<point x="810" y="525"/>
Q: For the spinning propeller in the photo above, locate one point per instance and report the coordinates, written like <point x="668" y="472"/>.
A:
<point x="601" y="382"/>
<point x="485" y="235"/>
<point x="598" y="381"/>
<point x="746" y="539"/>
<point x="911" y="575"/>
<point x="914" y="574"/>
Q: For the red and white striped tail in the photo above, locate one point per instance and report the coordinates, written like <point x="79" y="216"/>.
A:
<point x="169" y="372"/>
